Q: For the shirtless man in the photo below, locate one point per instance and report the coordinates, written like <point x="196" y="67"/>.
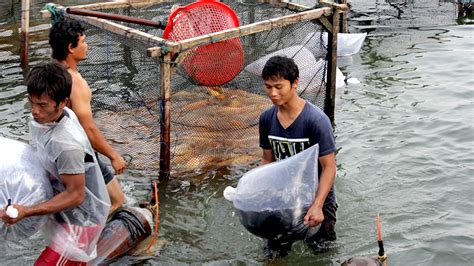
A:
<point x="68" y="42"/>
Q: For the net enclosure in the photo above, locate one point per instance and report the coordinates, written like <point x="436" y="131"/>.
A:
<point x="185" y="91"/>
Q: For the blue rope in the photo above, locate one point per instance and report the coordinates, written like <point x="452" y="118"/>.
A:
<point x="55" y="13"/>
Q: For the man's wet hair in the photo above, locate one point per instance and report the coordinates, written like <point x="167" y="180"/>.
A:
<point x="62" y="33"/>
<point x="51" y="78"/>
<point x="281" y="67"/>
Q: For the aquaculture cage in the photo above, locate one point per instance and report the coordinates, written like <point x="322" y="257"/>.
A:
<point x="193" y="100"/>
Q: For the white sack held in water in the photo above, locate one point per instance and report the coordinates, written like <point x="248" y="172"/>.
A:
<point x="272" y="200"/>
<point x="347" y="43"/>
<point x="311" y="70"/>
<point x="23" y="180"/>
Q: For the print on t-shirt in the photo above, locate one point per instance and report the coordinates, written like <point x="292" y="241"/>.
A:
<point x="284" y="147"/>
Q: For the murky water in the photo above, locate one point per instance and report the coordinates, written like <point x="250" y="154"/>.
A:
<point x="405" y="142"/>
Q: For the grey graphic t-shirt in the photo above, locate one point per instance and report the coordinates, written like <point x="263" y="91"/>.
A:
<point x="310" y="127"/>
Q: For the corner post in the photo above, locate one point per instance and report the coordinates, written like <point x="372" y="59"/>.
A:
<point x="330" y="103"/>
<point x="25" y="22"/>
<point x="344" y="19"/>
<point x="165" y="121"/>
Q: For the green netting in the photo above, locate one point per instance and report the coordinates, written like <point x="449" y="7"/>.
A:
<point x="210" y="126"/>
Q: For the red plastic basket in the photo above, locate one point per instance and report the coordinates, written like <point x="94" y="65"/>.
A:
<point x="212" y="64"/>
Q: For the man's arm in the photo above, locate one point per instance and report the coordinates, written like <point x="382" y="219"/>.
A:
<point x="80" y="104"/>
<point x="72" y="196"/>
<point x="267" y="157"/>
<point x="315" y="216"/>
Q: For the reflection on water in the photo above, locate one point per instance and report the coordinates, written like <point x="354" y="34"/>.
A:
<point x="405" y="148"/>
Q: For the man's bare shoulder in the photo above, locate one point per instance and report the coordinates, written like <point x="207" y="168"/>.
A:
<point x="80" y="91"/>
<point x="76" y="77"/>
<point x="78" y="82"/>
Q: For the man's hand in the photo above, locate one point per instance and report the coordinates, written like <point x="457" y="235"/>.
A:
<point x="118" y="163"/>
<point x="314" y="216"/>
<point x="22" y="213"/>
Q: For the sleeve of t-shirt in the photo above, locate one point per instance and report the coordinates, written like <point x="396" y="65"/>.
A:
<point x="263" y="128"/>
<point x="71" y="162"/>
<point x="326" y="141"/>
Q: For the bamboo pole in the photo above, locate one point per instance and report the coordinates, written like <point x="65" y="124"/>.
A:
<point x="330" y="102"/>
<point x="114" y="5"/>
<point x="242" y="31"/>
<point x="157" y="44"/>
<point x="344" y="18"/>
<point x="338" y="7"/>
<point x="25" y="24"/>
<point x="272" y="2"/>
<point x="325" y="22"/>
<point x="286" y="4"/>
<point x="294" y="6"/>
<point x="165" y="121"/>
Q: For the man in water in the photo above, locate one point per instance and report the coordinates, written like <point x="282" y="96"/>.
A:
<point x="290" y="126"/>
<point x="80" y="204"/>
<point x="68" y="42"/>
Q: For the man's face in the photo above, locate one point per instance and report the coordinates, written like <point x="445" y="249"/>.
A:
<point x="44" y="109"/>
<point x="280" y="90"/>
<point x="79" y="52"/>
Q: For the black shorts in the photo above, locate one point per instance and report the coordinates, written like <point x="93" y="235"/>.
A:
<point x="106" y="173"/>
<point x="326" y="232"/>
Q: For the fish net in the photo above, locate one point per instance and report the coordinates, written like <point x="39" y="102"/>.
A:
<point x="212" y="125"/>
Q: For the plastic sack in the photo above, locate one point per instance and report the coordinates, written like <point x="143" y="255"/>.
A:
<point x="303" y="58"/>
<point x="347" y="43"/>
<point x="73" y="232"/>
<point x="310" y="69"/>
<point x="272" y="200"/>
<point x="23" y="180"/>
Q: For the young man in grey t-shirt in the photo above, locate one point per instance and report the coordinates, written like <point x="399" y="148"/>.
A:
<point x="80" y="203"/>
<point x="290" y="126"/>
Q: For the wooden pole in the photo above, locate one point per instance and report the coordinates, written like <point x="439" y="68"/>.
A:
<point x="25" y="23"/>
<point x="330" y="103"/>
<point x="165" y="121"/>
<point x="116" y="4"/>
<point x="344" y="19"/>
<point x="245" y="30"/>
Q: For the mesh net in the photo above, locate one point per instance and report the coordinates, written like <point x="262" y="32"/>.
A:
<point x="211" y="126"/>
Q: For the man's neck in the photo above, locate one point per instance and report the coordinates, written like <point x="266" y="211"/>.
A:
<point x="69" y="63"/>
<point x="288" y="112"/>
<point x="60" y="116"/>
<point x="292" y="107"/>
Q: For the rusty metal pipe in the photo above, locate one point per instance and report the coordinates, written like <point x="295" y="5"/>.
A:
<point x="140" y="21"/>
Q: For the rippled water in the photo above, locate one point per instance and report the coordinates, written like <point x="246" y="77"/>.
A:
<point x="405" y="148"/>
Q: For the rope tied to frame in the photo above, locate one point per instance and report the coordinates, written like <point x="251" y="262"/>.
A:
<point x="55" y="12"/>
<point x="156" y="206"/>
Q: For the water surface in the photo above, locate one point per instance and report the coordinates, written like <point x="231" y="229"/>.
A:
<point x="405" y="148"/>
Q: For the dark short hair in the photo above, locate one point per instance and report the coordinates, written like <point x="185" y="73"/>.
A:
<point x="282" y="67"/>
<point x="51" y="78"/>
<point x="62" y="33"/>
